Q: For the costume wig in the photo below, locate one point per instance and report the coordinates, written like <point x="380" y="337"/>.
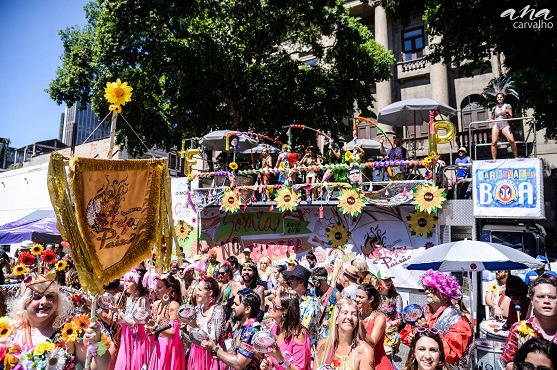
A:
<point x="444" y="283"/>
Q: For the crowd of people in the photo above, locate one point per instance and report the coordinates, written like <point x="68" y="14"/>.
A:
<point x="210" y="314"/>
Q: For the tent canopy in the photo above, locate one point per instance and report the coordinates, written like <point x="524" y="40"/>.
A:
<point x="18" y="231"/>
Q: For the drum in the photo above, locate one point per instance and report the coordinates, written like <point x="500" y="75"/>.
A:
<point x="197" y="336"/>
<point x="263" y="341"/>
<point x="106" y="301"/>
<point x="141" y="314"/>
<point x="186" y="312"/>
<point x="412" y="313"/>
<point x="493" y="329"/>
<point x="325" y="367"/>
<point x="488" y="354"/>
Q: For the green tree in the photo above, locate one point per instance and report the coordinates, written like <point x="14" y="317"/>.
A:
<point x="472" y="30"/>
<point x="198" y="65"/>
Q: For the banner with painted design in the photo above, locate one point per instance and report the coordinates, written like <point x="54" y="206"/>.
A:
<point x="508" y="188"/>
<point x="381" y="235"/>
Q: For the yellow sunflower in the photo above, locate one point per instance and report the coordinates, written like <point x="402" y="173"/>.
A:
<point x="233" y="166"/>
<point x="20" y="269"/>
<point x="428" y="198"/>
<point x="5" y="327"/>
<point x="494" y="287"/>
<point x="118" y="93"/>
<point x="421" y="223"/>
<point x="348" y="156"/>
<point x="337" y="235"/>
<point x="230" y="201"/>
<point x="282" y="166"/>
<point x="69" y="332"/>
<point x="60" y="265"/>
<point x="115" y="108"/>
<point x="287" y="199"/>
<point x="351" y="201"/>
<point x="182" y="230"/>
<point x="37" y="249"/>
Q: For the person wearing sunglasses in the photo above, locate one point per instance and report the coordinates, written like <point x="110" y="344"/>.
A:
<point x="536" y="354"/>
<point x="426" y="351"/>
<point x="543" y="322"/>
<point x="454" y="328"/>
<point x="292" y="336"/>
<point x="517" y="291"/>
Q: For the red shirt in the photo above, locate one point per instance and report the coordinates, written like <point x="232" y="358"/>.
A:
<point x="512" y="344"/>
<point x="455" y="341"/>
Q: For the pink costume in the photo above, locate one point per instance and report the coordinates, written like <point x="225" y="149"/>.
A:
<point x="200" y="358"/>
<point x="135" y="345"/>
<point x="300" y="351"/>
<point x="169" y="352"/>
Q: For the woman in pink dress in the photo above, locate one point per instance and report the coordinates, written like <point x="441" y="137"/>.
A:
<point x="293" y="348"/>
<point x="373" y="324"/>
<point x="134" y="343"/>
<point x="210" y="318"/>
<point x="168" y="352"/>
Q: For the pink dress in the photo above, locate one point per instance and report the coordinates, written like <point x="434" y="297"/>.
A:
<point x="200" y="358"/>
<point x="169" y="352"/>
<point x="382" y="361"/>
<point x="135" y="345"/>
<point x="300" y="351"/>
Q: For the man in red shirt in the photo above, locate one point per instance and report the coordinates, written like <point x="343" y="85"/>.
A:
<point x="442" y="317"/>
<point x="542" y="324"/>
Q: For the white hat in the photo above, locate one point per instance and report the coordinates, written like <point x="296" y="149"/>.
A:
<point x="384" y="275"/>
<point x="27" y="244"/>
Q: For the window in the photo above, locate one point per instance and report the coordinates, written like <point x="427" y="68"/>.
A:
<point x="413" y="43"/>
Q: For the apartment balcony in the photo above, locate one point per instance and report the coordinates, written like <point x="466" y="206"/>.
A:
<point x="413" y="68"/>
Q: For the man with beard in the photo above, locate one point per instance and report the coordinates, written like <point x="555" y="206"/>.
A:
<point x="394" y="154"/>
<point x="443" y="317"/>
<point x="250" y="280"/>
<point x="496" y="298"/>
<point x="242" y="354"/>
<point x="310" y="307"/>
<point x="542" y="324"/>
<point x="327" y="296"/>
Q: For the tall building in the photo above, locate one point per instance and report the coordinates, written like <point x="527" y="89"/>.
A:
<point x="84" y="123"/>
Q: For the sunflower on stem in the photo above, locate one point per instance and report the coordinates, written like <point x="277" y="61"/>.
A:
<point x="60" y="265"/>
<point x="36" y="249"/>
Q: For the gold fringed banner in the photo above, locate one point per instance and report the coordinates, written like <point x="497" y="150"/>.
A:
<point x="113" y="212"/>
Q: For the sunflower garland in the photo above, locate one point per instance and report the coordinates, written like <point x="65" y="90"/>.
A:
<point x="421" y="223"/>
<point x="287" y="199"/>
<point x="69" y="332"/>
<point x="429" y="198"/>
<point x="337" y="235"/>
<point x="230" y="201"/>
<point x="351" y="201"/>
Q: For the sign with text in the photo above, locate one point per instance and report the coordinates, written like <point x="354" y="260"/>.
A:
<point x="508" y="188"/>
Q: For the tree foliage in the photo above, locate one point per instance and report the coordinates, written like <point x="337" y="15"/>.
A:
<point x="472" y="30"/>
<point x="198" y="65"/>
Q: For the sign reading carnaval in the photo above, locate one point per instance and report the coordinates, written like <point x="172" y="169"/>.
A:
<point x="508" y="188"/>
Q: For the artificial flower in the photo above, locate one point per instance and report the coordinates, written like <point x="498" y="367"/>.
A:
<point x="27" y="258"/>
<point x="115" y="108"/>
<point x="183" y="230"/>
<point x="335" y="362"/>
<point x="118" y="92"/>
<point x="233" y="166"/>
<point x="351" y="201"/>
<point x="69" y="332"/>
<point x="43" y="347"/>
<point x="428" y="198"/>
<point x="48" y="256"/>
<point x="20" y="269"/>
<point x="5" y="327"/>
<point x="81" y="322"/>
<point x="282" y="166"/>
<point x="60" y="265"/>
<point x="337" y="235"/>
<point x="287" y="199"/>
<point x="421" y="223"/>
<point x="56" y="359"/>
<point x="37" y="249"/>
<point x="494" y="288"/>
<point x="230" y="201"/>
<point x="525" y="330"/>
<point x="348" y="156"/>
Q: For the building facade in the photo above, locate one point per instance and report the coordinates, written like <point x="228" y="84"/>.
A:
<point x="83" y="124"/>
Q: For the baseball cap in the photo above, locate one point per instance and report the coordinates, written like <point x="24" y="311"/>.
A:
<point x="247" y="250"/>
<point x="384" y="275"/>
<point x="541" y="258"/>
<point x="212" y="252"/>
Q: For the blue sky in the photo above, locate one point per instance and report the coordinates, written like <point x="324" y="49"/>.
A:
<point x="30" y="50"/>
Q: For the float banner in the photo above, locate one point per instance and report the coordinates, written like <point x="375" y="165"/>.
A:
<point x="508" y="188"/>
<point x="113" y="212"/>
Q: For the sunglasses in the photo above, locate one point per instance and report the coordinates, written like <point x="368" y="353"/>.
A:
<point x="431" y="290"/>
<point x="529" y="366"/>
<point x="276" y="307"/>
<point x="423" y="329"/>
<point x="222" y="273"/>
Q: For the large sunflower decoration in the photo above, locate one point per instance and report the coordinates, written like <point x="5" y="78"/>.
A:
<point x="287" y="199"/>
<point x="422" y="223"/>
<point x="428" y="198"/>
<point x="117" y="93"/>
<point x="351" y="201"/>
<point x="183" y="230"/>
<point x="36" y="249"/>
<point x="337" y="235"/>
<point x="230" y="201"/>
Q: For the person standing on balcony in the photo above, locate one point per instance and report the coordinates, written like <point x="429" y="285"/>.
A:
<point x="500" y="88"/>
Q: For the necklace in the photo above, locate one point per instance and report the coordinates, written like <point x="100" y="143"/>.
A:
<point x="163" y="313"/>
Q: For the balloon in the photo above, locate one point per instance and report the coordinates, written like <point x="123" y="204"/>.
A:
<point x="450" y="131"/>
<point x="292" y="158"/>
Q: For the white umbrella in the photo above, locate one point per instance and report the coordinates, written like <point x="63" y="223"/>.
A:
<point x="216" y="140"/>
<point x="471" y="255"/>
<point x="363" y="143"/>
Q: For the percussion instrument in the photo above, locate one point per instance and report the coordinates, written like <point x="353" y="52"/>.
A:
<point x="412" y="313"/>
<point x="197" y="336"/>
<point x="263" y="341"/>
<point x="186" y="312"/>
<point x="106" y="301"/>
<point x="489" y="353"/>
<point x="141" y="314"/>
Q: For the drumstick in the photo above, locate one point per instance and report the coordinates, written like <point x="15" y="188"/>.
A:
<point x="517" y="308"/>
